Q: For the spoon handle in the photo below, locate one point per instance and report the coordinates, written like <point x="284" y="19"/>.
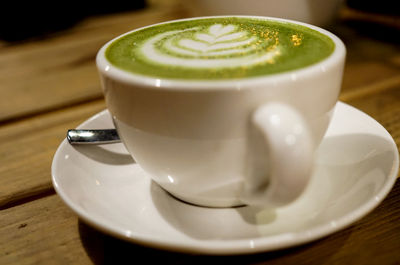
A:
<point x="104" y="136"/>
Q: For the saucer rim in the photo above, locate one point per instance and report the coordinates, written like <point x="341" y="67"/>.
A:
<point x="235" y="246"/>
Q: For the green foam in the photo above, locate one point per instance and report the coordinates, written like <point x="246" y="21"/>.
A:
<point x="125" y="52"/>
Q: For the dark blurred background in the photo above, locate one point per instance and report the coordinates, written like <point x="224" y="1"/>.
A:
<point x="385" y="7"/>
<point x="21" y="20"/>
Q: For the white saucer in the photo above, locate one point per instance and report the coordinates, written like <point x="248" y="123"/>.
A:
<point x="357" y="165"/>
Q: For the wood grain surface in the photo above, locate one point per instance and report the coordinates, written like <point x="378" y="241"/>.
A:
<point x="59" y="71"/>
<point x="44" y="231"/>
<point x="50" y="85"/>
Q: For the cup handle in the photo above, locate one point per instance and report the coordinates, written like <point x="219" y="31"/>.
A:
<point x="289" y="156"/>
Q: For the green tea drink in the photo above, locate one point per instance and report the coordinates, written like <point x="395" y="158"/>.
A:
<point x="219" y="48"/>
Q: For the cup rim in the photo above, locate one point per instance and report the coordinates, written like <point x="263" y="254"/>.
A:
<point x="109" y="70"/>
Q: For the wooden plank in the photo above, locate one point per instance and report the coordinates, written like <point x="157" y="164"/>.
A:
<point x="59" y="71"/>
<point x="382" y="102"/>
<point x="358" y="75"/>
<point x="41" y="232"/>
<point x="44" y="231"/>
<point x="27" y="148"/>
<point x="371" y="80"/>
<point x="371" y="57"/>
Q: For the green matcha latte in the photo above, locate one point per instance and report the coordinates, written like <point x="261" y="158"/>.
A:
<point x="219" y="48"/>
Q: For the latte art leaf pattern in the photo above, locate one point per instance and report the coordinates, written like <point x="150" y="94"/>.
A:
<point x="218" y="47"/>
<point x="218" y="38"/>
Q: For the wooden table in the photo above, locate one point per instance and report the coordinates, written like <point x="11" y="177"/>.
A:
<point x="51" y="84"/>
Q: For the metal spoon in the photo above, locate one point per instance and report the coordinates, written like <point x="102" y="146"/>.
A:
<point x="104" y="136"/>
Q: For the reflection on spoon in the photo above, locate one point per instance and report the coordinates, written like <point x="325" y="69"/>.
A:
<point x="103" y="136"/>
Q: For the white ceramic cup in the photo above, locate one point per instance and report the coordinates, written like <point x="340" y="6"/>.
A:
<point x="231" y="142"/>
